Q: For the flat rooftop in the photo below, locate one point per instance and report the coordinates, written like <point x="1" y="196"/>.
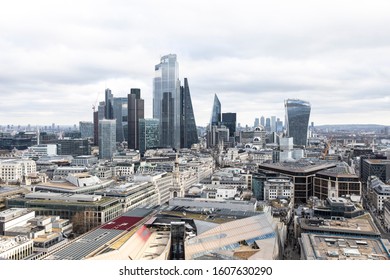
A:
<point x="378" y="161"/>
<point x="299" y="166"/>
<point x="331" y="247"/>
<point x="358" y="226"/>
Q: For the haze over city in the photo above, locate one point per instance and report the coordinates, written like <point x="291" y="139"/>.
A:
<point x="58" y="58"/>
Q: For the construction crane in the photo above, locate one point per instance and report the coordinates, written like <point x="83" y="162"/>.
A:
<point x="94" y="105"/>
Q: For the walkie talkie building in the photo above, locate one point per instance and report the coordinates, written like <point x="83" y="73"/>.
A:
<point x="297" y="120"/>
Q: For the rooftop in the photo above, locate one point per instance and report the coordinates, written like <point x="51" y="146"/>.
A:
<point x="330" y="247"/>
<point x="9" y="242"/>
<point x="358" y="226"/>
<point x="298" y="166"/>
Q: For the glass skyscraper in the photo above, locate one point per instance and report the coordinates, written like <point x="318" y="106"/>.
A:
<point x="229" y="120"/>
<point x="188" y="132"/>
<point x="166" y="86"/>
<point x="107" y="138"/>
<point x="297" y="120"/>
<point x="216" y="112"/>
<point x="120" y="114"/>
<point x="136" y="112"/>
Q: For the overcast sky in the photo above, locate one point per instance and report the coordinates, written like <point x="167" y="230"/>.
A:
<point x="57" y="57"/>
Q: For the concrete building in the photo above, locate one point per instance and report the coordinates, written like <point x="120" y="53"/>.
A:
<point x="162" y="181"/>
<point x="15" y="247"/>
<point x="386" y="214"/>
<point x="10" y="191"/>
<point x="278" y="188"/>
<point x="133" y="195"/>
<point x="213" y="203"/>
<point x="338" y="247"/>
<point x="90" y="210"/>
<point x="14" y="170"/>
<point x="378" y="192"/>
<point x="85" y="160"/>
<point x="13" y="217"/>
<point x="74" y="183"/>
<point x="362" y="226"/>
<point x="42" y="150"/>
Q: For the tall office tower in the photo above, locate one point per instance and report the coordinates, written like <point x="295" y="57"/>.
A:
<point x="108" y="110"/>
<point x="86" y="129"/>
<point x="268" y="124"/>
<point x="273" y="123"/>
<point x="229" y="120"/>
<point x="149" y="134"/>
<point x="297" y="120"/>
<point x="119" y="106"/>
<point x="99" y="115"/>
<point x="216" y="112"/>
<point x="262" y="121"/>
<point x="136" y="112"/>
<point x="167" y="120"/>
<point x="188" y="131"/>
<point x="257" y="122"/>
<point x="95" y="128"/>
<point x="167" y="81"/>
<point x="107" y="138"/>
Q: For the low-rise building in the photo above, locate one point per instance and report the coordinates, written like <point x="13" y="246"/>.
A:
<point x="74" y="183"/>
<point x="362" y="226"/>
<point x="278" y="188"/>
<point x="234" y="205"/>
<point x="378" y="192"/>
<point x="337" y="207"/>
<point x="162" y="181"/>
<point x="15" y="247"/>
<point x="81" y="209"/>
<point x="84" y="160"/>
<point x="134" y="194"/>
<point x="14" y="170"/>
<point x="338" y="247"/>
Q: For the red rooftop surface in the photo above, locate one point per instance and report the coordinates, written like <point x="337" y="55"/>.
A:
<point x="122" y="223"/>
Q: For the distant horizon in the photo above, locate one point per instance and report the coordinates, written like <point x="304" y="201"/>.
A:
<point x="243" y="126"/>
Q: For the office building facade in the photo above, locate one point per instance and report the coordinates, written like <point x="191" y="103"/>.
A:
<point x="73" y="147"/>
<point x="149" y="134"/>
<point x="136" y="112"/>
<point x="107" y="138"/>
<point x="86" y="129"/>
<point x="120" y="114"/>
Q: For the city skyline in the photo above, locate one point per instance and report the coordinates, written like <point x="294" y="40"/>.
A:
<point x="60" y="58"/>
